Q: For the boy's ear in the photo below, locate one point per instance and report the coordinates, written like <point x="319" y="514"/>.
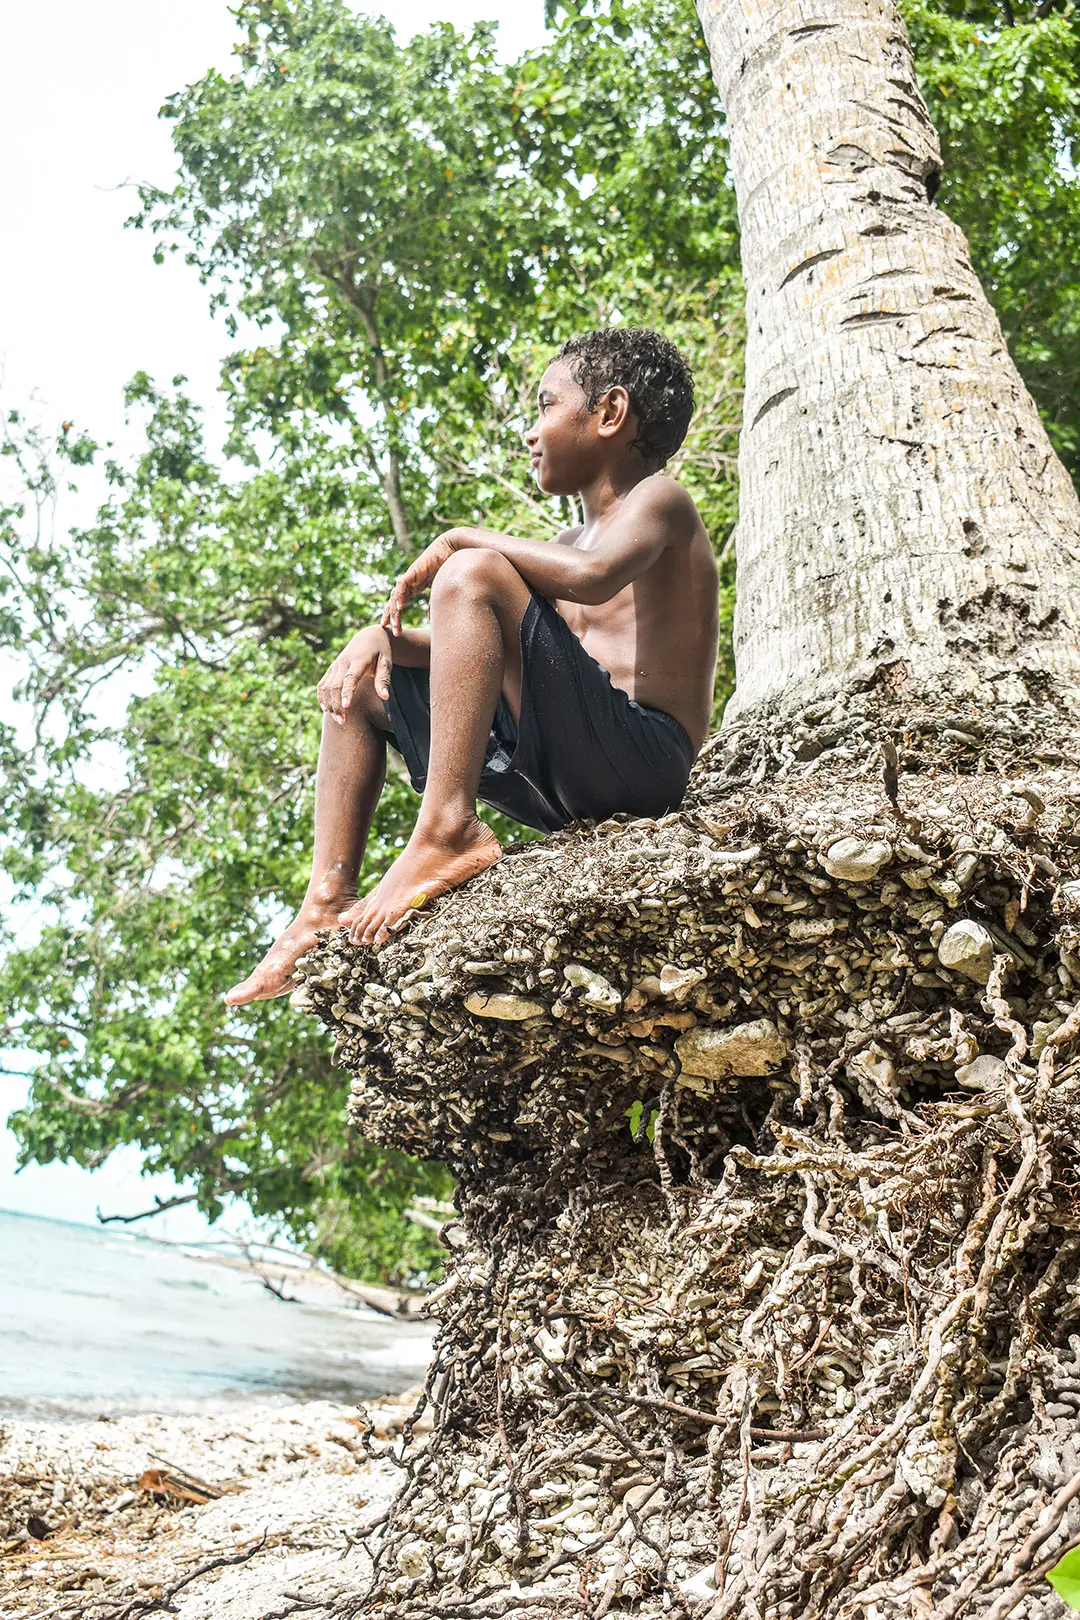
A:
<point x="612" y="409"/>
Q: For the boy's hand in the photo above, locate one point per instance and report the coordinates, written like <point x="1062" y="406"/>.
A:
<point x="368" y="653"/>
<point x="416" y="579"/>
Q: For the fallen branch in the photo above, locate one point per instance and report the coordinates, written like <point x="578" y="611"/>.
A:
<point x="160" y="1206"/>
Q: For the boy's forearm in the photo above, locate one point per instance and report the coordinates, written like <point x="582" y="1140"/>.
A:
<point x="556" y="571"/>
<point x="412" y="648"/>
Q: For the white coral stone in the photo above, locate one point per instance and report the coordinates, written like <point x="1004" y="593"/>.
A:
<point x="967" y="948"/>
<point x="744" y="1050"/>
<point x="856" y="859"/>
<point x="509" y="1009"/>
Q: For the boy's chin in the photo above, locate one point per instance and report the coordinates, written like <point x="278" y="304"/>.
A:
<point x="549" y="484"/>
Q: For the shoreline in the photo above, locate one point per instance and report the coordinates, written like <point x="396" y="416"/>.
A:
<point x="93" y="1511"/>
<point x="314" y="1283"/>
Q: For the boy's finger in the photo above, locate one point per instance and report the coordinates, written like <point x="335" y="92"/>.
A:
<point x="383" y="667"/>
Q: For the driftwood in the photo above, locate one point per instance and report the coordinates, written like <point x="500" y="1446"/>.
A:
<point x="176" y="1485"/>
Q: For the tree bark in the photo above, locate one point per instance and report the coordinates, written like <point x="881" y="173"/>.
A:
<point x="390" y="478"/>
<point x="361" y="301"/>
<point x="904" y="522"/>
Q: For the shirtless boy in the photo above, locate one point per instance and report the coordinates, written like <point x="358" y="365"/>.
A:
<point x="556" y="679"/>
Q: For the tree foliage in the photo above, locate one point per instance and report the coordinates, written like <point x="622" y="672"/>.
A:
<point x="413" y="227"/>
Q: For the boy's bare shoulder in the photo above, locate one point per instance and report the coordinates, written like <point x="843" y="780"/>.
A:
<point x="662" y="500"/>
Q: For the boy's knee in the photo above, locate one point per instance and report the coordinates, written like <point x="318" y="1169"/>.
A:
<point x="481" y="573"/>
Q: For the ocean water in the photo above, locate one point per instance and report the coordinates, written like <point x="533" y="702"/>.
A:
<point x="96" y="1321"/>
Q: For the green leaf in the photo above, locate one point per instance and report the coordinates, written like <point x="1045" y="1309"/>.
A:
<point x="1065" y="1578"/>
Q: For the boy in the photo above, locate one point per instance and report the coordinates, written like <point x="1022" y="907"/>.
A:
<point x="556" y="680"/>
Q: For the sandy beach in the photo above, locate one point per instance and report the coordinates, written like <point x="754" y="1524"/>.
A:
<point x="81" y="1539"/>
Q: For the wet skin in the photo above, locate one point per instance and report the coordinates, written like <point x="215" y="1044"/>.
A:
<point x="636" y="582"/>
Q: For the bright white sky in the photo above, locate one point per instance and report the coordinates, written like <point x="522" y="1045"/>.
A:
<point x="83" y="306"/>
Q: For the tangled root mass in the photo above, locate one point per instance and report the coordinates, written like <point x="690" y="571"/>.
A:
<point x="764" y="1298"/>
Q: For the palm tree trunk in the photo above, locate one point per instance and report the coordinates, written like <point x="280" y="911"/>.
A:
<point x="905" y="524"/>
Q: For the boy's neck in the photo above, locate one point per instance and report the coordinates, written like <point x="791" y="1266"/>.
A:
<point x="608" y="488"/>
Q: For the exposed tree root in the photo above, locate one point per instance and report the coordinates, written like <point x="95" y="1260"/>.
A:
<point x="764" y="1299"/>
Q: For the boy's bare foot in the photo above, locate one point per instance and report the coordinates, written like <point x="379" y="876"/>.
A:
<point x="427" y="866"/>
<point x="275" y="974"/>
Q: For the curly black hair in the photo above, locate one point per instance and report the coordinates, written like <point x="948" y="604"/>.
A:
<point x="653" y="372"/>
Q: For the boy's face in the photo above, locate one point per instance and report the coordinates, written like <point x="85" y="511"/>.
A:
<point x="565" y="443"/>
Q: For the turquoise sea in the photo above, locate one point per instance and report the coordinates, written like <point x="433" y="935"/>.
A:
<point x="95" y="1321"/>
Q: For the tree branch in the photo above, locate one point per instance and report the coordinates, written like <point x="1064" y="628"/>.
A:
<point x="160" y="1206"/>
<point x="361" y="301"/>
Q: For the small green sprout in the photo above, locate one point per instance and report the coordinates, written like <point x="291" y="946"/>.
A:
<point x="1065" y="1577"/>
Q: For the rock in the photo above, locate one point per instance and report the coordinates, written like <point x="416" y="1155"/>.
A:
<point x="982" y="1073"/>
<point x="855" y="859"/>
<point x="507" y="1008"/>
<point x="700" y="1587"/>
<point x="1041" y="1030"/>
<point x="413" y="1560"/>
<point x="967" y="948"/>
<point x="744" y="1050"/>
<point x="505" y="1539"/>
<point x="874" y="1073"/>
<point x="676" y="983"/>
<point x="967" y="865"/>
<point x="598" y="991"/>
<point x="645" y="1500"/>
<point x="643" y="991"/>
<point x="804" y="928"/>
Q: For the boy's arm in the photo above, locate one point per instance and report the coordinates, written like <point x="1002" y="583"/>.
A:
<point x="372" y="651"/>
<point x="658" y="513"/>
<point x="411" y="646"/>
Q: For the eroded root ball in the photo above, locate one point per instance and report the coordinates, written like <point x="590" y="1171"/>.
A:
<point x="764" y="1295"/>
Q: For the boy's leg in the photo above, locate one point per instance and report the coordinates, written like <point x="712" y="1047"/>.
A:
<point x="352" y="768"/>
<point x="478" y="601"/>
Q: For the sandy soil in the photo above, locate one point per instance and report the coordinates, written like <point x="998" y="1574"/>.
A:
<point x="110" y="1549"/>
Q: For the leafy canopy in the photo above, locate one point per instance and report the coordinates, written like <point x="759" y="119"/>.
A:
<point x="413" y="227"/>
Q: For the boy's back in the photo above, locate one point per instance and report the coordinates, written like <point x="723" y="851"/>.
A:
<point x="657" y="638"/>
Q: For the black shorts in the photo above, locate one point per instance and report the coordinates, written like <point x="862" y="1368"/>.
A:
<point x="582" y="750"/>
